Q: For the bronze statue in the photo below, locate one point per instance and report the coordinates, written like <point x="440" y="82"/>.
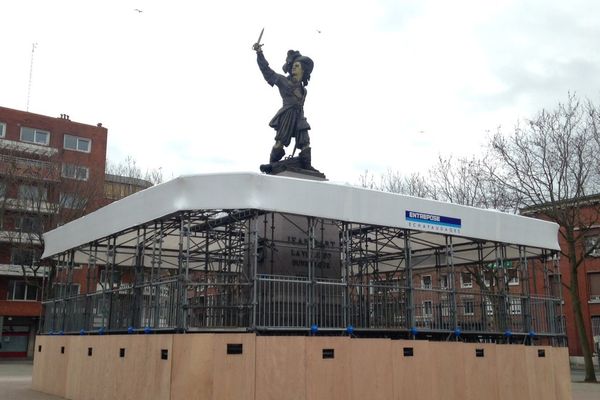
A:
<point x="289" y="122"/>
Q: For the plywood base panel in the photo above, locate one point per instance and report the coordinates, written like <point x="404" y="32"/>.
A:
<point x="562" y="373"/>
<point x="328" y="368"/>
<point x="371" y="369"/>
<point x="480" y="371"/>
<point x="280" y="368"/>
<point x="412" y="373"/>
<point x="541" y="372"/>
<point x="247" y="367"/>
<point x="512" y="374"/>
<point x="50" y="368"/>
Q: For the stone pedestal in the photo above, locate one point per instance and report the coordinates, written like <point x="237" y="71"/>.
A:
<point x="292" y="167"/>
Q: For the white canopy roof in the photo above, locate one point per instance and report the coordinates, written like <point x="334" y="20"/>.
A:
<point x="304" y="197"/>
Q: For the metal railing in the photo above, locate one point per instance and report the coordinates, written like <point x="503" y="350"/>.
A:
<point x="297" y="303"/>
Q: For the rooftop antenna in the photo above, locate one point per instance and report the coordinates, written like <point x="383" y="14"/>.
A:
<point x="33" y="46"/>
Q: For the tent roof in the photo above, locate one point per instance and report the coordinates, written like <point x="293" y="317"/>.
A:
<point x="249" y="190"/>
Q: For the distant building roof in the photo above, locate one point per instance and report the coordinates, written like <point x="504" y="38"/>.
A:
<point x="128" y="180"/>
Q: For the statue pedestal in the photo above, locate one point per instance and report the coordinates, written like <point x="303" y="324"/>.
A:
<point x="293" y="168"/>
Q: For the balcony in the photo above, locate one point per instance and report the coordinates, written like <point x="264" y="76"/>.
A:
<point x="17" y="270"/>
<point x="14" y="146"/>
<point x="18" y="167"/>
<point x="19" y="237"/>
<point x="30" y="205"/>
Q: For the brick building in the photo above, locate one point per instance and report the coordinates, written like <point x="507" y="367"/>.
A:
<point x="587" y="249"/>
<point x="589" y="292"/>
<point x="51" y="171"/>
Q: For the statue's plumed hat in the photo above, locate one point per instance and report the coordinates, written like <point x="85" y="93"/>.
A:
<point x="294" y="55"/>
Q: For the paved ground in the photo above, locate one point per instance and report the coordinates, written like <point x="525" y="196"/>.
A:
<point x="584" y="391"/>
<point x="15" y="384"/>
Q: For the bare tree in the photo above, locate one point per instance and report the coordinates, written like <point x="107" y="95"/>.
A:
<point x="470" y="182"/>
<point x="466" y="181"/>
<point x="129" y="168"/>
<point x="39" y="194"/>
<point x="392" y="181"/>
<point x="551" y="165"/>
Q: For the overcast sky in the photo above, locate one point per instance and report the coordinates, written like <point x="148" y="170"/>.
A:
<point x="395" y="83"/>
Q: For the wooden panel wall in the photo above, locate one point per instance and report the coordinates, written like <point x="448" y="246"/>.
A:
<point x="371" y="369"/>
<point x="192" y="373"/>
<point x="91" y="377"/>
<point x="412" y="374"/>
<point x="512" y="374"/>
<point x="235" y="375"/>
<point x="480" y="371"/>
<point x="562" y="373"/>
<point x="146" y="375"/>
<point x="448" y="370"/>
<point x="541" y="372"/>
<point x="202" y="369"/>
<point x="282" y="368"/>
<point x="39" y="363"/>
<point x="50" y="370"/>
<point x="328" y="378"/>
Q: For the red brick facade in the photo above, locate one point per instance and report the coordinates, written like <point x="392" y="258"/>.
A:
<point x="41" y="151"/>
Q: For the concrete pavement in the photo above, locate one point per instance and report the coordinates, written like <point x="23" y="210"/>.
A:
<point x="15" y="382"/>
<point x="584" y="391"/>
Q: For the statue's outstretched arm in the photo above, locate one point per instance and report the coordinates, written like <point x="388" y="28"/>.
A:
<point x="269" y="75"/>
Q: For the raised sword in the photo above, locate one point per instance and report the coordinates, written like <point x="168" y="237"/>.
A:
<point x="256" y="46"/>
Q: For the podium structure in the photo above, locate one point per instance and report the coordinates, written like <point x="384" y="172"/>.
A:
<point x="254" y="286"/>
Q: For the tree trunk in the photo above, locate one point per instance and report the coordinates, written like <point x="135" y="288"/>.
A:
<point x="590" y="375"/>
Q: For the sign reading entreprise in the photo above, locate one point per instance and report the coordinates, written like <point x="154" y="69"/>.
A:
<point x="434" y="222"/>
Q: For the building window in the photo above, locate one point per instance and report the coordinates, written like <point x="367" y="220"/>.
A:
<point x="592" y="246"/>
<point x="594" y="284"/>
<point x="23" y="256"/>
<point x="30" y="192"/>
<point x="466" y="280"/>
<point x="2" y="189"/>
<point x="105" y="276"/>
<point x="426" y="282"/>
<point x="515" y="306"/>
<point x="489" y="307"/>
<point x="29" y="224"/>
<point x="19" y="290"/>
<point x="72" y="201"/>
<point x="596" y="325"/>
<point x="554" y="285"/>
<point x="469" y="306"/>
<point x="444" y="281"/>
<point x="2" y="129"/>
<point x="394" y="285"/>
<point x="512" y="274"/>
<point x="445" y="306"/>
<point x="427" y="308"/>
<point x="66" y="289"/>
<point x="77" y="143"/>
<point x="37" y="136"/>
<point x="75" y="172"/>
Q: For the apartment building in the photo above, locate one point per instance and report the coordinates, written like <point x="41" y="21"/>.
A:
<point x="586" y="212"/>
<point x="51" y="171"/>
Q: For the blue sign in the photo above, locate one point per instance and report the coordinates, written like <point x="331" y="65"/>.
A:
<point x="432" y="219"/>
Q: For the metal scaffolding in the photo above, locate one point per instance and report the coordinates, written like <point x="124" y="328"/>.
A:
<point x="261" y="271"/>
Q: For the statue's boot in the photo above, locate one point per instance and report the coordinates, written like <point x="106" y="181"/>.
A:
<point x="305" y="158"/>
<point x="276" y="154"/>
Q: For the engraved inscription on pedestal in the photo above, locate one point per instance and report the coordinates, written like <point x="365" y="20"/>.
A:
<point x="284" y="246"/>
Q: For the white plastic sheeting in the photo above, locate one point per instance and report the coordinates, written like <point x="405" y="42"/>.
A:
<point x="304" y="197"/>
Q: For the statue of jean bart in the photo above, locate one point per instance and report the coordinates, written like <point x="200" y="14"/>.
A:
<point x="289" y="122"/>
